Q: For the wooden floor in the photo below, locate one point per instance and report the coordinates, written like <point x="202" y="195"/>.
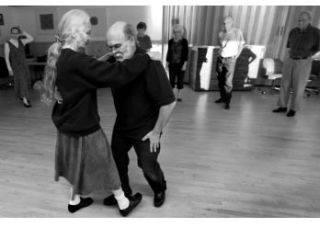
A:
<point x="243" y="162"/>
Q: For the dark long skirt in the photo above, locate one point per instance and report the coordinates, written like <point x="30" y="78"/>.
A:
<point x="86" y="162"/>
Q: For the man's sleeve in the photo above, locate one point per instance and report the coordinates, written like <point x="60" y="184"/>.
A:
<point x="186" y="50"/>
<point x="158" y="85"/>
<point x="289" y="37"/>
<point x="241" y="38"/>
<point x="168" y="58"/>
<point x="316" y="46"/>
<point x="149" y="43"/>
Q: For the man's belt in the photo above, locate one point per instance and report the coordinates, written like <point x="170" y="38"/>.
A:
<point x="298" y="57"/>
<point x="230" y="57"/>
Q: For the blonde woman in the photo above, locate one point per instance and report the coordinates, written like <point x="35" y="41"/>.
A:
<point x="177" y="57"/>
<point x="83" y="154"/>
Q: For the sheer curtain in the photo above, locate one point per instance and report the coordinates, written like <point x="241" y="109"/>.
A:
<point x="261" y="25"/>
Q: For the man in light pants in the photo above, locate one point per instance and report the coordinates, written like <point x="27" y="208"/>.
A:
<point x="303" y="44"/>
<point x="231" y="41"/>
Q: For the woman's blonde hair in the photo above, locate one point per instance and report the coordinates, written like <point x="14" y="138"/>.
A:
<point x="178" y="27"/>
<point x="72" y="30"/>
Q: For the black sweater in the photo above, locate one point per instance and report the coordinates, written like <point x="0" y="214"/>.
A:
<point x="184" y="52"/>
<point x="138" y="103"/>
<point x="78" y="77"/>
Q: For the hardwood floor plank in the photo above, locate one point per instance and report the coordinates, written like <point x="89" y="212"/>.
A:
<point x="243" y="162"/>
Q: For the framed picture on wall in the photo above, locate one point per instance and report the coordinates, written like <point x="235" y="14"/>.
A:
<point x="46" y="20"/>
<point x="98" y="19"/>
<point x="1" y="19"/>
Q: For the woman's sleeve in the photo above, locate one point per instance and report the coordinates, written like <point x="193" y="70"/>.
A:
<point x="105" y="74"/>
<point x="185" y="47"/>
<point x="168" y="52"/>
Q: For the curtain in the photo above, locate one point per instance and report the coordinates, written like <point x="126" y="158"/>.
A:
<point x="261" y="25"/>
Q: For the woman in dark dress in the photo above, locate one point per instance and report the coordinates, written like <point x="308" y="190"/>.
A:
<point x="16" y="63"/>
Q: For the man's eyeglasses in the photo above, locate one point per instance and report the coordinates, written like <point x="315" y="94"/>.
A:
<point x="115" y="46"/>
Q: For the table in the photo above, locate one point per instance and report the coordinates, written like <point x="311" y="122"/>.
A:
<point x="36" y="70"/>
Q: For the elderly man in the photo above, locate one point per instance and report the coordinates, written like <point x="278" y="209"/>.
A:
<point x="143" y="109"/>
<point x="231" y="41"/>
<point x="303" y="44"/>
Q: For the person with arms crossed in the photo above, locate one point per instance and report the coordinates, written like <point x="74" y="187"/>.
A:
<point x="231" y="41"/>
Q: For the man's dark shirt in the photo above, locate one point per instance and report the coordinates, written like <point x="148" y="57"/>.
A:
<point x="138" y="103"/>
<point x="304" y="43"/>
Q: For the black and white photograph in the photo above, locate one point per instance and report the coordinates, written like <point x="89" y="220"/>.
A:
<point x="1" y="19"/>
<point x="160" y="111"/>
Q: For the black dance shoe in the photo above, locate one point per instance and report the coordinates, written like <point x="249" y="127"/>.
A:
<point x="159" y="198"/>
<point x="220" y="100"/>
<point x="26" y="104"/>
<point x="134" y="201"/>
<point x="84" y="202"/>
<point x="291" y="113"/>
<point x="280" y="109"/>
<point x="111" y="200"/>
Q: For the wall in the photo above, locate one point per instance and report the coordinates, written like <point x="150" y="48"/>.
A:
<point x="9" y="21"/>
<point x="152" y="15"/>
<point x="26" y="17"/>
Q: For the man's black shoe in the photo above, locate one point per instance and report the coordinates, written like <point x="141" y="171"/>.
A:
<point x="84" y="202"/>
<point x="110" y="201"/>
<point x="280" y="109"/>
<point x="220" y="100"/>
<point x="159" y="198"/>
<point x="134" y="201"/>
<point x="227" y="106"/>
<point x="291" y="113"/>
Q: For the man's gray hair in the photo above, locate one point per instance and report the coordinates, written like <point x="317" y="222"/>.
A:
<point x="308" y="13"/>
<point x="128" y="30"/>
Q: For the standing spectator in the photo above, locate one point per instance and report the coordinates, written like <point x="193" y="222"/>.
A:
<point x="303" y="44"/>
<point x="245" y="58"/>
<point x="16" y="63"/>
<point x="143" y="39"/>
<point x="176" y="21"/>
<point x="231" y="42"/>
<point x="177" y="57"/>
